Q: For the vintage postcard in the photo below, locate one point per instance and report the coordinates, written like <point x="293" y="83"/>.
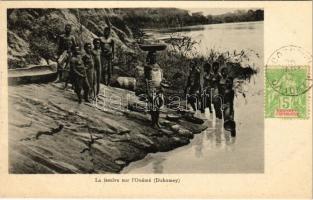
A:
<point x="159" y="99"/>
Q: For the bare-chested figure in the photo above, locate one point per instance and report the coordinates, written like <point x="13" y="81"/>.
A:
<point x="107" y="54"/>
<point x="154" y="76"/>
<point x="66" y="43"/>
<point x="79" y="75"/>
<point x="194" y="87"/>
<point x="90" y="71"/>
<point x="96" y="52"/>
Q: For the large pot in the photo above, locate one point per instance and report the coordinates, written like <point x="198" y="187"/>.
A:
<point x="230" y="125"/>
<point x="128" y="83"/>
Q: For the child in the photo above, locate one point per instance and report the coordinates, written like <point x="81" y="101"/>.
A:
<point x="207" y="86"/>
<point x="79" y="75"/>
<point x="222" y="81"/>
<point x="217" y="98"/>
<point x="228" y="106"/>
<point x="216" y="77"/>
<point x="89" y="64"/>
<point x="96" y="52"/>
<point x="193" y="88"/>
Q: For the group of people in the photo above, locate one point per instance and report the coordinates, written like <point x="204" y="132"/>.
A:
<point x="85" y="70"/>
<point x="211" y="85"/>
<point x="206" y="85"/>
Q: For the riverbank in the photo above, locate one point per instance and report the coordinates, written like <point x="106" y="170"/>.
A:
<point x="214" y="150"/>
<point x="49" y="132"/>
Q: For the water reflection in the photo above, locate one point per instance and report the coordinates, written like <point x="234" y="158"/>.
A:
<point x="214" y="150"/>
<point x="195" y="154"/>
<point x="158" y="165"/>
<point x="218" y="138"/>
<point x="199" y="146"/>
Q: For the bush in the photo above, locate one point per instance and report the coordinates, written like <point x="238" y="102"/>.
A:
<point x="43" y="39"/>
<point x="176" y="62"/>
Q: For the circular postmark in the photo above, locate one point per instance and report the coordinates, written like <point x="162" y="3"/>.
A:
<point x="288" y="71"/>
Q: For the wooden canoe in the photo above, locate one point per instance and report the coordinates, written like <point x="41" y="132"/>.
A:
<point x="32" y="74"/>
<point x="152" y="47"/>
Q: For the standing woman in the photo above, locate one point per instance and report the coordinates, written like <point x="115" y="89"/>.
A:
<point x="153" y="77"/>
<point x="107" y="54"/>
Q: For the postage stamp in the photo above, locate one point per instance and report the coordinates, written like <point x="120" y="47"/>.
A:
<point x="288" y="83"/>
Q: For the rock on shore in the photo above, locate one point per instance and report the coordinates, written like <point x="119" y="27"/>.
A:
<point x="49" y="132"/>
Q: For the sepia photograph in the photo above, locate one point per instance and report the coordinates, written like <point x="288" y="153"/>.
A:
<point x="135" y="90"/>
<point x="156" y="99"/>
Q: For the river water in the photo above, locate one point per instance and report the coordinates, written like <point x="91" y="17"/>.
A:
<point x="214" y="150"/>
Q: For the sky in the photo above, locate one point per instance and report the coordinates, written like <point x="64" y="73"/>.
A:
<point x="213" y="11"/>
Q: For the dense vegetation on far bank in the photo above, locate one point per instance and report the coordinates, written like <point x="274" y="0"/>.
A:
<point x="32" y="38"/>
<point x="140" y="18"/>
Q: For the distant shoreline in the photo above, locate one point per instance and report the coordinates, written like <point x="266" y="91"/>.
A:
<point x="194" y="26"/>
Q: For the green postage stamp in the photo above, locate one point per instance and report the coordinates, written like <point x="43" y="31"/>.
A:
<point x="288" y="84"/>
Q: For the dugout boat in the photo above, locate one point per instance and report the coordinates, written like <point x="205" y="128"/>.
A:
<point x="152" y="47"/>
<point x="32" y="74"/>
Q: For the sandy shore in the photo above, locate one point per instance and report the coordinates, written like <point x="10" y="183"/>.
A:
<point x="49" y="132"/>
